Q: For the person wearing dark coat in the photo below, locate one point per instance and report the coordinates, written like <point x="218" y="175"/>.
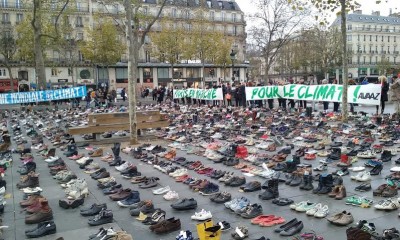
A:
<point x="384" y="94"/>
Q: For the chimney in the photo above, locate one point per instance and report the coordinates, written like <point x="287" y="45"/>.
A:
<point x="358" y="11"/>
<point x="376" y="13"/>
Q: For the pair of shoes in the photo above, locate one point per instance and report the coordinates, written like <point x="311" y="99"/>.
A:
<point x="290" y="228"/>
<point x="221" y="197"/>
<point x="342" y="219"/>
<point x="386" y="190"/>
<point x="267" y="220"/>
<point x="103" y="217"/>
<point x="43" y="229"/>
<point x="166" y="226"/>
<point x="66" y="203"/>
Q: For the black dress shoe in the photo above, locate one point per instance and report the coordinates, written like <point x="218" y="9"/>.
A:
<point x="43" y="229"/>
<point x="286" y="225"/>
<point x="104" y="217"/>
<point x="251" y="186"/>
<point x="292" y="230"/>
<point x="66" y="203"/>
<point x="93" y="209"/>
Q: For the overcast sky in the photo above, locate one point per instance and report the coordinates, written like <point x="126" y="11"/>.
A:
<point x="367" y="6"/>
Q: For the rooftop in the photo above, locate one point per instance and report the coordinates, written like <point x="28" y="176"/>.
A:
<point x="210" y="4"/>
<point x="365" y="18"/>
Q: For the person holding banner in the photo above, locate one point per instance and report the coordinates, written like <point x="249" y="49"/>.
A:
<point x="384" y="93"/>
<point x="395" y="94"/>
<point x="325" y="103"/>
<point x="335" y="104"/>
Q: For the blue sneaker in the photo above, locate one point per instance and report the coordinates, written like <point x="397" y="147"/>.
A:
<point x="131" y="200"/>
<point x="210" y="189"/>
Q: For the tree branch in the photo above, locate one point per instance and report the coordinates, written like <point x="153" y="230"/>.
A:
<point x="58" y="16"/>
<point x="147" y="30"/>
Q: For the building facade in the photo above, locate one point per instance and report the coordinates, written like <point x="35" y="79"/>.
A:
<point x="69" y="67"/>
<point x="372" y="43"/>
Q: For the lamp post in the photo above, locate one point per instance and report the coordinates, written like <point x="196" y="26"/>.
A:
<point x="233" y="58"/>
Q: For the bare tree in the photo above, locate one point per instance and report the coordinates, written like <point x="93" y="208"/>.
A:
<point x="276" y="23"/>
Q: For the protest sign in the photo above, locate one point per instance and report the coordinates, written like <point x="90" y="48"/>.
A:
<point x="204" y="94"/>
<point x="42" y="96"/>
<point x="369" y="94"/>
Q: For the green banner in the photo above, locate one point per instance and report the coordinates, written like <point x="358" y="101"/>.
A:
<point x="364" y="94"/>
<point x="204" y="94"/>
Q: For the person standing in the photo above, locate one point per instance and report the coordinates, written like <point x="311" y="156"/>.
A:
<point x="242" y="92"/>
<point x="395" y="95"/>
<point x="123" y="94"/>
<point x="336" y="104"/>
<point x="384" y="93"/>
<point x="325" y="103"/>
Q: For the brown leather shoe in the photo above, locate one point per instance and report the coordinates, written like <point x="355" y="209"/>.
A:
<point x="334" y="192"/>
<point x="379" y="190"/>
<point x="36" y="205"/>
<point x="43" y="214"/>
<point x="341" y="193"/>
<point x="168" y="226"/>
<point x="121" y="194"/>
<point x="389" y="191"/>
<point x="31" y="200"/>
<point x="32" y="181"/>
<point x="97" y="153"/>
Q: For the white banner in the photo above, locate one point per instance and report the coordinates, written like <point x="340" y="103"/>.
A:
<point x="204" y="94"/>
<point x="369" y="94"/>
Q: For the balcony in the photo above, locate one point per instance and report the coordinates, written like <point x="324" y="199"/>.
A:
<point x="80" y="25"/>
<point x="6" y="22"/>
<point x="15" y="5"/>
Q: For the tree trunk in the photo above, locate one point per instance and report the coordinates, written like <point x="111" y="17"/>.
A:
<point x="37" y="32"/>
<point x="133" y="55"/>
<point x="345" y="112"/>
<point x="266" y="70"/>
<point x="11" y="76"/>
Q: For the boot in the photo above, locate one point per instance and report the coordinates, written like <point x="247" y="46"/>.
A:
<point x="344" y="161"/>
<point x="116" y="162"/>
<point x="308" y="185"/>
<point x="386" y="156"/>
<point x="327" y="184"/>
<point x="336" y="153"/>
<point x="117" y="149"/>
<point x="304" y="183"/>
<point x="51" y="153"/>
<point x="271" y="190"/>
<point x="29" y="167"/>
<point x="44" y="213"/>
<point x="320" y="185"/>
<point x="97" y="153"/>
<point x="31" y="200"/>
<point x="33" y="181"/>
<point x="290" y="167"/>
<point x="341" y="193"/>
<point x="71" y="150"/>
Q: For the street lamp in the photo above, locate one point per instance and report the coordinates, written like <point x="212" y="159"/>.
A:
<point x="233" y="58"/>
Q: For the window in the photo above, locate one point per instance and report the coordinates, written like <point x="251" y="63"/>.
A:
<point x="364" y="48"/>
<point x="163" y="72"/>
<point x="20" y="17"/>
<point x="70" y="72"/>
<point x="147" y="74"/>
<point x="376" y="38"/>
<point x="209" y="3"/>
<point x="192" y="72"/>
<point x="349" y="27"/>
<point x="348" y="38"/>
<point x="147" y="56"/>
<point x="364" y="38"/>
<point x="370" y="60"/>
<point x="212" y="16"/>
<point x="388" y="38"/>
<point x="18" y="4"/>
<point x="382" y="38"/>
<point x="223" y="16"/>
<point x="376" y="59"/>
<point x="2" y="73"/>
<point x="358" y="37"/>
<point x="3" y="3"/>
<point x="54" y="72"/>
<point x="68" y="54"/>
<point x="369" y="27"/>
<point x="6" y="18"/>
<point x="53" y="5"/>
<point x="370" y="48"/>
<point x="121" y="75"/>
<point x="235" y="32"/>
<point x="388" y="51"/>
<point x="79" y="36"/>
<point x="370" y="37"/>
<point x="173" y="13"/>
<point x="177" y="73"/>
<point x="145" y="10"/>
<point x="364" y="59"/>
<point x="394" y="60"/>
<point x="394" y="38"/>
<point x="79" y="22"/>
<point x="78" y="6"/>
<point x="376" y="49"/>
<point x="233" y="17"/>
<point x="358" y="59"/>
<point x="56" y="56"/>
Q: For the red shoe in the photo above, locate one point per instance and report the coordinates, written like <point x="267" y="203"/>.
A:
<point x="182" y="178"/>
<point x="310" y="156"/>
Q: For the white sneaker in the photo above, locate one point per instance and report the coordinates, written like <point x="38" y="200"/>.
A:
<point x="123" y="166"/>
<point x="32" y="190"/>
<point x="171" y="195"/>
<point x="52" y="159"/>
<point x="82" y="160"/>
<point x="202" y="215"/>
<point x="322" y="212"/>
<point x="388" y="204"/>
<point x="162" y="190"/>
<point x="314" y="210"/>
<point x="363" y="177"/>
